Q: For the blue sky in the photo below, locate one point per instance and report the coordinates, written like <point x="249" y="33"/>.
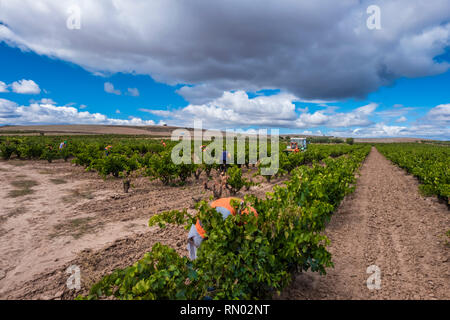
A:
<point x="396" y="84"/>
<point x="67" y="83"/>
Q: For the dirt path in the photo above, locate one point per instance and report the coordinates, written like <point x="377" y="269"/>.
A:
<point x="386" y="223"/>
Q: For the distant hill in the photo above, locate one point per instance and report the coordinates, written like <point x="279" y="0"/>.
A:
<point x="158" y="131"/>
<point x="162" y="131"/>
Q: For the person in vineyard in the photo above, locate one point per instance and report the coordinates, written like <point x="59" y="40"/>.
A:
<point x="197" y="233"/>
<point x="107" y="149"/>
<point x="62" y="145"/>
<point x="163" y="143"/>
<point x="226" y="160"/>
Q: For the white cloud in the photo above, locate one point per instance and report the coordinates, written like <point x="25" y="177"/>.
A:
<point x="133" y="92"/>
<point x="381" y="130"/>
<point x="47" y="101"/>
<point x="329" y="118"/>
<point x="397" y="111"/>
<point x="435" y="124"/>
<point x="43" y="101"/>
<point x="328" y="109"/>
<point x="236" y="109"/>
<point x="306" y="48"/>
<point x="439" y="114"/>
<point x="200" y="94"/>
<point x="160" y="113"/>
<point x="117" y="111"/>
<point x="7" y="110"/>
<point x="305" y="109"/>
<point x="37" y="113"/>
<point x="25" y="87"/>
<point x="401" y="119"/>
<point x="83" y="106"/>
<point x="3" y="87"/>
<point x="109" y="87"/>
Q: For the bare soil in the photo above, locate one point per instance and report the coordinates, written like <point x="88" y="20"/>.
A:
<point x="56" y="215"/>
<point x="387" y="223"/>
<point x="91" y="223"/>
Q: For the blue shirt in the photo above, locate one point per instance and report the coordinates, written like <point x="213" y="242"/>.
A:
<point x="224" y="155"/>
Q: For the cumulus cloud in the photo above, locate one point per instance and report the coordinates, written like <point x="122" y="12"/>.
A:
<point x="43" y="101"/>
<point x="377" y="130"/>
<point x="398" y="111"/>
<point x="3" y="87"/>
<point x="356" y="117"/>
<point x="401" y="119"/>
<point x="40" y="113"/>
<point x="109" y="87"/>
<point x="159" y="113"/>
<point x="47" y="101"/>
<point x="236" y="109"/>
<point x="313" y="49"/>
<point x="435" y="124"/>
<point x="380" y="130"/>
<point x="312" y="133"/>
<point x="200" y="94"/>
<point x="25" y="87"/>
<point x="7" y="110"/>
<point x="133" y="92"/>
<point x="439" y="114"/>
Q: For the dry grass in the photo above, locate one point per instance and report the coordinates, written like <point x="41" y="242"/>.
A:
<point x="24" y="187"/>
<point x="24" y="183"/>
<point x="17" y="163"/>
<point x="131" y="226"/>
<point x="16" y="212"/>
<point x="77" y="194"/>
<point x="76" y="228"/>
<point x="13" y="213"/>
<point x="45" y="172"/>
<point x="58" y="181"/>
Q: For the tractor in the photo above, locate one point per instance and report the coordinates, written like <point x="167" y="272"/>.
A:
<point x="296" y="145"/>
